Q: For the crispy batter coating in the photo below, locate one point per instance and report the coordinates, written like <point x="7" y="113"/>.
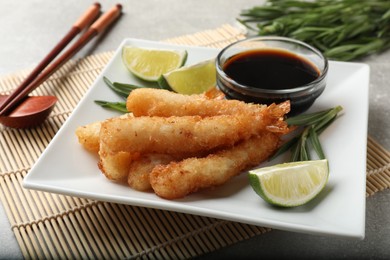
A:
<point x="160" y="102"/>
<point x="177" y="179"/>
<point x="141" y="168"/>
<point x="177" y="135"/>
<point x="88" y="136"/>
<point x="164" y="103"/>
<point x="115" y="166"/>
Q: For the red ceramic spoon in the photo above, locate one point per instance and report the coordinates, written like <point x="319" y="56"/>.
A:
<point x="31" y="112"/>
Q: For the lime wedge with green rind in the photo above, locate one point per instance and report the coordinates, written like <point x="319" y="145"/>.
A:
<point x="290" y="184"/>
<point x="191" y="79"/>
<point x="149" y="64"/>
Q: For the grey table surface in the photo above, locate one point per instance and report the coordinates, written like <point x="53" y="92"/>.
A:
<point x="31" y="27"/>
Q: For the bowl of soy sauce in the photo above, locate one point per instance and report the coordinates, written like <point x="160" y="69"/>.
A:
<point x="272" y="69"/>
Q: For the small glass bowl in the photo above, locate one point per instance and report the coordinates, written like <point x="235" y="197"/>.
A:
<point x="301" y="97"/>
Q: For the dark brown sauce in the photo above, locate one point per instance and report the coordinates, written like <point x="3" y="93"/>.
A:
<point x="270" y="69"/>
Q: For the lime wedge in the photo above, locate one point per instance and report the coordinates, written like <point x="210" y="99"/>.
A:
<point x="290" y="184"/>
<point x="150" y="64"/>
<point x="193" y="79"/>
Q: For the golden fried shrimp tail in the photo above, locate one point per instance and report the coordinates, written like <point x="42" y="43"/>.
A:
<point x="178" y="135"/>
<point x="274" y="114"/>
<point x="141" y="168"/>
<point x="178" y="179"/>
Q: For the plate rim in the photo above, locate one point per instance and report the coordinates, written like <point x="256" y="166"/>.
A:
<point x="29" y="183"/>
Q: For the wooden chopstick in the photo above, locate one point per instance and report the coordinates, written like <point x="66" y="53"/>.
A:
<point x="86" y="19"/>
<point x="97" y="27"/>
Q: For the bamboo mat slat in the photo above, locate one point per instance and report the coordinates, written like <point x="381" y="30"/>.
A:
<point x="53" y="226"/>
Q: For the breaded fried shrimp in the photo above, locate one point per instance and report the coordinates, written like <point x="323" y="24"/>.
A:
<point x="177" y="179"/>
<point x="177" y="135"/>
<point x="164" y="103"/>
<point x="160" y="102"/>
<point x="177" y="144"/>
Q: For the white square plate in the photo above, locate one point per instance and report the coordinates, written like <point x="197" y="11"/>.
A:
<point x="66" y="168"/>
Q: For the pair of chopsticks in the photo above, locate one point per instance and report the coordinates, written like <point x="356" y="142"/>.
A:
<point x="44" y="69"/>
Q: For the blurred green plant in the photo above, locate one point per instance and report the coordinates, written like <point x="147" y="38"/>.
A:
<point x="342" y="29"/>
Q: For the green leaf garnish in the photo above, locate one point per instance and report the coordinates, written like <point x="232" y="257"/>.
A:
<point x="121" y="89"/>
<point x="310" y="126"/>
<point x="313" y="136"/>
<point x="118" y="106"/>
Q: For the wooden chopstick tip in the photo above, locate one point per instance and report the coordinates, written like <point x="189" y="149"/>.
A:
<point x="88" y="17"/>
<point x="119" y="6"/>
<point x="98" y="5"/>
<point x="107" y="18"/>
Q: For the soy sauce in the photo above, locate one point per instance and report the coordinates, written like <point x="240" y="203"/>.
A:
<point x="270" y="69"/>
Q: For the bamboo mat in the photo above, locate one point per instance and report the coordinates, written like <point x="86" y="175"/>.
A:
<point x="48" y="225"/>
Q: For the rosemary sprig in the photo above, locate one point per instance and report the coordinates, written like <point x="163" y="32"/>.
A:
<point x="118" y="106"/>
<point x="310" y="127"/>
<point x="123" y="90"/>
<point x="341" y="29"/>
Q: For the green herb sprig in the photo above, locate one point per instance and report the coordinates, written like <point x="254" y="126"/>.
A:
<point x="123" y="90"/>
<point x="342" y="29"/>
<point x="311" y="126"/>
<point x="118" y="106"/>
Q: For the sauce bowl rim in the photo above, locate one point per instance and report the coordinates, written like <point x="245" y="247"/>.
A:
<point x="253" y="90"/>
